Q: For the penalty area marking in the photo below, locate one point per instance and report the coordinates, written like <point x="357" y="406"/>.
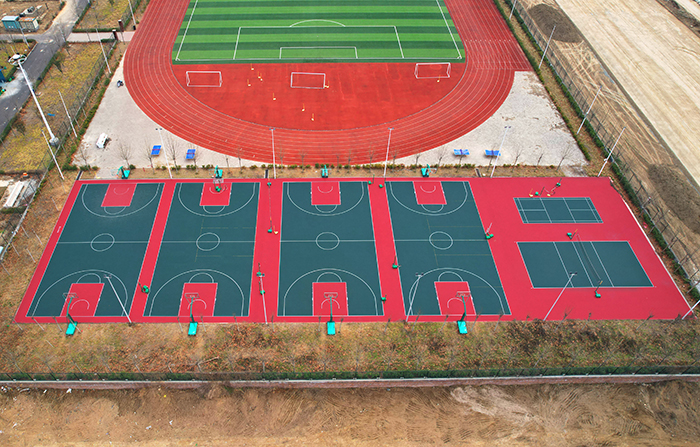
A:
<point x="203" y="78"/>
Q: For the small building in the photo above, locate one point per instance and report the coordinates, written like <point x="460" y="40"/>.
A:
<point x="30" y="24"/>
<point x="11" y="23"/>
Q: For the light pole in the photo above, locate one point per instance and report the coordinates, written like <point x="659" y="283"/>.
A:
<point x="162" y="146"/>
<point x="387" y="152"/>
<point x="53" y="140"/>
<point x="589" y="109"/>
<point x="571" y="276"/>
<point x="546" y="47"/>
<point x="274" y="167"/>
<point x="611" y="151"/>
<point x="498" y="154"/>
<point x="133" y="17"/>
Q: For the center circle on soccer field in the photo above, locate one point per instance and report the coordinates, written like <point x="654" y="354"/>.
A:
<point x="440" y="240"/>
<point x="208" y="241"/>
<point x="327" y="241"/>
<point x="102" y="242"/>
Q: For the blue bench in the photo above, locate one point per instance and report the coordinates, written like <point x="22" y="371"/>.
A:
<point x="156" y="150"/>
<point x="493" y="153"/>
<point x="460" y="152"/>
<point x="190" y="154"/>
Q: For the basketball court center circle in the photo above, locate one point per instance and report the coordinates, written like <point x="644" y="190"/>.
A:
<point x="208" y="241"/>
<point x="104" y="241"/>
<point x="327" y="241"/>
<point x="440" y="243"/>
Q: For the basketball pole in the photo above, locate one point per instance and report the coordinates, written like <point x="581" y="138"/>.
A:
<point x="611" y="151"/>
<point x="386" y="160"/>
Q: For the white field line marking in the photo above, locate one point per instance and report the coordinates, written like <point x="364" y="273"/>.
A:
<point x="448" y="28"/>
<point x="399" y="41"/>
<point x="177" y="56"/>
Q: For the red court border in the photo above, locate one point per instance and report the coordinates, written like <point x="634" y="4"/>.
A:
<point x="492" y="52"/>
<point x="494" y="200"/>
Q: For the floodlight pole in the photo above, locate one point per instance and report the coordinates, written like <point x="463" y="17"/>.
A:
<point x="691" y="310"/>
<point x="274" y="167"/>
<point x="53" y="156"/>
<point x="571" y="276"/>
<point x="511" y="9"/>
<point x="386" y="160"/>
<point x="133" y="17"/>
<point x="499" y="150"/>
<point x="547" y="47"/>
<point x="611" y="151"/>
<point x="103" y="50"/>
<point x="589" y="109"/>
<point x="162" y="146"/>
<point x="53" y="139"/>
<point x="70" y="120"/>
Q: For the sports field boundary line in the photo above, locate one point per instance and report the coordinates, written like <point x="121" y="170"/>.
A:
<point x="177" y="56"/>
<point x="437" y="2"/>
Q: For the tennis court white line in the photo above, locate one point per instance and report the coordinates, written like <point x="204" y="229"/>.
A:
<point x="177" y="56"/>
<point x="566" y="202"/>
<point x="606" y="270"/>
<point x="585" y="269"/>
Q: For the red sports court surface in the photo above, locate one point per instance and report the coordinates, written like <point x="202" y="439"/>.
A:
<point x="360" y="104"/>
<point x="100" y="266"/>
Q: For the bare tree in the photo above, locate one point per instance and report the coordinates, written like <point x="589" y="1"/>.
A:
<point x="227" y="158"/>
<point x="441" y="152"/>
<point x="148" y="153"/>
<point x="394" y="154"/>
<point x="417" y="157"/>
<point x="351" y="154"/>
<point x="518" y="152"/>
<point x="371" y="156"/>
<point x="83" y="155"/>
<point x="302" y="156"/>
<point x="565" y="155"/>
<point x="539" y="156"/>
<point x="239" y="153"/>
<point x="125" y="152"/>
<point x="172" y="148"/>
<point x="195" y="156"/>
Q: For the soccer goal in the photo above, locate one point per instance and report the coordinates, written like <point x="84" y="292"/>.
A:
<point x="433" y="70"/>
<point x="203" y="78"/>
<point x="315" y="81"/>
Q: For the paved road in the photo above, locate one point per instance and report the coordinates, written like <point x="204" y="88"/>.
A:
<point x="47" y="44"/>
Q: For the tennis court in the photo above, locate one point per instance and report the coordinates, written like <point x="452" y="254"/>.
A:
<point x="358" y="250"/>
<point x="317" y="30"/>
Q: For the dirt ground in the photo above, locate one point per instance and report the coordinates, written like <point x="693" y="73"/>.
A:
<point x="534" y="415"/>
<point x="45" y="16"/>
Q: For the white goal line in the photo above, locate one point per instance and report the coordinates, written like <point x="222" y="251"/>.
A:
<point x="317" y="48"/>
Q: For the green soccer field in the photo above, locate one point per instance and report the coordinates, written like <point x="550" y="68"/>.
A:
<point x="244" y="31"/>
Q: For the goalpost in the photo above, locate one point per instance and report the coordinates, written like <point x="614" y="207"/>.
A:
<point x="433" y="70"/>
<point x="203" y="78"/>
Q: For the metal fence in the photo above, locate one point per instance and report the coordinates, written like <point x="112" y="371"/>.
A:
<point x="681" y="244"/>
<point x="61" y="125"/>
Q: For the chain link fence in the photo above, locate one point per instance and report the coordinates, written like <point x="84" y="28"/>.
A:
<point x="75" y="103"/>
<point x="621" y="128"/>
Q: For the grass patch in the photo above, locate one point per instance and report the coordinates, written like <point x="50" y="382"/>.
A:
<point x="24" y="147"/>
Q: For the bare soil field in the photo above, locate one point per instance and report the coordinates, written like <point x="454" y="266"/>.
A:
<point x="534" y="415"/>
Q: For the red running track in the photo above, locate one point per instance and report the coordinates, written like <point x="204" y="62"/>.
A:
<point x="350" y="118"/>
